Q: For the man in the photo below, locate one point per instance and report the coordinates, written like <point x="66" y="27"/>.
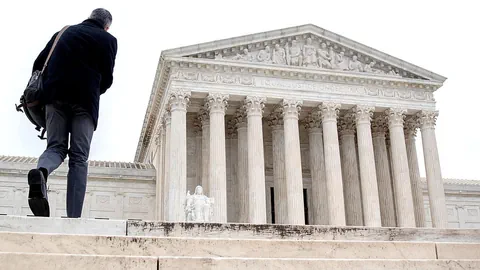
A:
<point x="79" y="71"/>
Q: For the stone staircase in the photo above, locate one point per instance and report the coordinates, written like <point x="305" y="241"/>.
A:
<point x="54" y="243"/>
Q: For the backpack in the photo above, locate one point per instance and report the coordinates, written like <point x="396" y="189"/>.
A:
<point x="30" y="101"/>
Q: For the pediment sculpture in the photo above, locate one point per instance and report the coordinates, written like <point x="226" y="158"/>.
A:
<point x="198" y="207"/>
<point x="306" y="53"/>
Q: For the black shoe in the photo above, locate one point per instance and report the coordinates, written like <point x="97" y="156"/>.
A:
<point x="37" y="195"/>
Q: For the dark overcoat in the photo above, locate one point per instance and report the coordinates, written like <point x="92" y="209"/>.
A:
<point x="81" y="66"/>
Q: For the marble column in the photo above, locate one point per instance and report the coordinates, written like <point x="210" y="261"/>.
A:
<point x="257" y="210"/>
<point x="368" y="176"/>
<point x="242" y="167"/>
<point x="401" y="177"/>
<point x="293" y="162"/>
<point x="179" y="100"/>
<point x="350" y="171"/>
<point x="410" y="129"/>
<point x="198" y="152"/>
<point x="159" y="143"/>
<point x="275" y="121"/>
<point x="333" y="169"/>
<point x="384" y="178"/>
<point x="217" y="105"/>
<point x="167" y="118"/>
<point x="436" y="193"/>
<point x="204" y="118"/>
<point x="313" y="125"/>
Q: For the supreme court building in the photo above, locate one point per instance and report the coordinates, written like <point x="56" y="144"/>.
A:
<point x="294" y="126"/>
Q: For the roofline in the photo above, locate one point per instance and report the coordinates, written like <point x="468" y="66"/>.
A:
<point x="298" y="30"/>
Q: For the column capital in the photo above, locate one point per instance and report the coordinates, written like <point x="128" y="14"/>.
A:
<point x="179" y="99"/>
<point x="291" y="108"/>
<point x="240" y="117"/>
<point x="203" y="116"/>
<point x="363" y="114"/>
<point x="275" y="119"/>
<point x="395" y="116"/>
<point x="427" y="119"/>
<point x="346" y="124"/>
<point x="254" y="105"/>
<point x="216" y="102"/>
<point x="410" y="127"/>
<point x="329" y="111"/>
<point x="313" y="122"/>
<point x="379" y="127"/>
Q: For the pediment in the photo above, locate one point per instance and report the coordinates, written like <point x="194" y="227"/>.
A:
<point x="309" y="47"/>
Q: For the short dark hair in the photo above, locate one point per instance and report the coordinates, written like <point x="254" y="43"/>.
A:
<point x="102" y="15"/>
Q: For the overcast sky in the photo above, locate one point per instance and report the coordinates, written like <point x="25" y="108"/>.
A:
<point x="441" y="36"/>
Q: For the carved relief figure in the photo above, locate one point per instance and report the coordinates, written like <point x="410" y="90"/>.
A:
<point x="355" y="65"/>
<point x="333" y="56"/>
<point x="246" y="56"/>
<point x="198" y="206"/>
<point x="218" y="55"/>
<point x="392" y="72"/>
<point x="264" y="55"/>
<point x="279" y="56"/>
<point x="340" y="61"/>
<point x="309" y="54"/>
<point x="294" y="54"/>
<point x="323" y="57"/>
<point x="370" y="68"/>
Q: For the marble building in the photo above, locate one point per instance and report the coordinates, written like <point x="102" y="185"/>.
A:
<point x="294" y="126"/>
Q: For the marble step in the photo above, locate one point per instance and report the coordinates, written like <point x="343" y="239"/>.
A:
<point x="254" y="248"/>
<point x="42" y="261"/>
<point x="177" y="263"/>
<point x="232" y="230"/>
<point x="39" y="261"/>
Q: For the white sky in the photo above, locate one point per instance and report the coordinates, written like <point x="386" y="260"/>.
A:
<point x="441" y="36"/>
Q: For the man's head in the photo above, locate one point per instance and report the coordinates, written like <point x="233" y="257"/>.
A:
<point x="103" y="16"/>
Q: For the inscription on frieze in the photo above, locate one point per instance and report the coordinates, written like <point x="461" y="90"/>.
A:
<point x="322" y="87"/>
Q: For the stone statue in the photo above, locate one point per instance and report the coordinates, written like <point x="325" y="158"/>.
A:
<point x="246" y="56"/>
<point x="323" y="57"/>
<point x="218" y="55"/>
<point x="294" y="54"/>
<point x="264" y="55"/>
<point x="355" y="65"/>
<point x="309" y="54"/>
<point x="279" y="56"/>
<point x="198" y="206"/>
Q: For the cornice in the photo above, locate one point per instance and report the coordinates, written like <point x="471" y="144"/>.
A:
<point x="302" y="73"/>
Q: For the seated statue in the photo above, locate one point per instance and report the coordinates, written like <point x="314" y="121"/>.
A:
<point x="198" y="206"/>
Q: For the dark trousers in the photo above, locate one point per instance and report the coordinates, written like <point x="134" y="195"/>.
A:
<point x="64" y="120"/>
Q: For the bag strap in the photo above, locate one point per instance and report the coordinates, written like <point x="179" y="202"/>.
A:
<point x="53" y="46"/>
